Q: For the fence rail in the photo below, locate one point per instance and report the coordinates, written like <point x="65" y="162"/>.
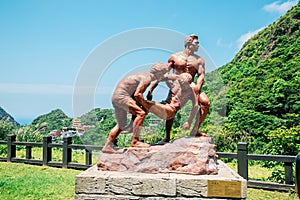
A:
<point x="242" y="157"/>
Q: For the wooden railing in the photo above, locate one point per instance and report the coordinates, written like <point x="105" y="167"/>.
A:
<point x="47" y="146"/>
<point x="242" y="157"/>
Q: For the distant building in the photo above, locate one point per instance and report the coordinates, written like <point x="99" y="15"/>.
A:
<point x="76" y="129"/>
<point x="68" y="132"/>
<point x="55" y="133"/>
<point x="76" y="123"/>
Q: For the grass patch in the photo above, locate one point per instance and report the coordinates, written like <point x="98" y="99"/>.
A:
<point x="255" y="171"/>
<point x="22" y="181"/>
<point x="258" y="172"/>
<point x="256" y="194"/>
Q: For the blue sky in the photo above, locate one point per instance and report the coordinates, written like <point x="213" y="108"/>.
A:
<point x="45" y="44"/>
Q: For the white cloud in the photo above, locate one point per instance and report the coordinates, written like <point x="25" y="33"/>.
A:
<point x="16" y="88"/>
<point x="245" y="37"/>
<point x="280" y="8"/>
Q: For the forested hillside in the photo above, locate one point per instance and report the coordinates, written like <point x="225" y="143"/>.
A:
<point x="103" y="120"/>
<point x="256" y="95"/>
<point x="5" y="117"/>
<point x="54" y="120"/>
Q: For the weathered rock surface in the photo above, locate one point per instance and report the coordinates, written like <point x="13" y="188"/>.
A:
<point x="190" y="155"/>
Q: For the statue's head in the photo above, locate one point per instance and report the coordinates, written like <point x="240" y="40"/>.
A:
<point x="189" y="39"/>
<point x="185" y="79"/>
<point x="158" y="68"/>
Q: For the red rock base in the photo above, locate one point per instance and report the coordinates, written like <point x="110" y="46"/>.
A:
<point x="190" y="155"/>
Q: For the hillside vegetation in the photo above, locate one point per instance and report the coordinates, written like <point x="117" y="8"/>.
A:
<point x="256" y="95"/>
<point x="5" y="117"/>
<point x="54" y="120"/>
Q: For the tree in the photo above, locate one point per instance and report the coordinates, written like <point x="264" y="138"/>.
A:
<point x="6" y="128"/>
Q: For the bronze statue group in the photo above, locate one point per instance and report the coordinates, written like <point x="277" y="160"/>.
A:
<point x="129" y="95"/>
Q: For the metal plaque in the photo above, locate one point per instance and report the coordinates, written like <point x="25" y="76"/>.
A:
<point x="217" y="188"/>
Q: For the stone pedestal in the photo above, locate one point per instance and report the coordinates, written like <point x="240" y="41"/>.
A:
<point x="107" y="185"/>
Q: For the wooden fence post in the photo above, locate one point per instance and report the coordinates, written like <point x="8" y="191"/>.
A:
<point x="297" y="189"/>
<point x="28" y="152"/>
<point x="11" y="148"/>
<point x="288" y="171"/>
<point x="67" y="152"/>
<point x="47" y="151"/>
<point x="242" y="159"/>
<point x="88" y="156"/>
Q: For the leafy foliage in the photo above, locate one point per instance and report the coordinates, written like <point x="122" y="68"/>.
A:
<point x="284" y="141"/>
<point x="27" y="134"/>
<point x="103" y="120"/>
<point x="6" y="129"/>
<point x="54" y="120"/>
<point x="261" y="91"/>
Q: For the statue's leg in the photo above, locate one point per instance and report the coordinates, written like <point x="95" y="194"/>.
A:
<point x="169" y="124"/>
<point x="166" y="112"/>
<point x="140" y="114"/>
<point x="115" y="131"/>
<point x="129" y="128"/>
<point x="205" y="105"/>
<point x="163" y="111"/>
<point x="201" y="114"/>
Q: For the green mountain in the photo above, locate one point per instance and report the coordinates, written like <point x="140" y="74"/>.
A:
<point x="7" y="124"/>
<point x="5" y="117"/>
<point x="256" y="95"/>
<point x="96" y="116"/>
<point x="103" y="121"/>
<point x="54" y="120"/>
